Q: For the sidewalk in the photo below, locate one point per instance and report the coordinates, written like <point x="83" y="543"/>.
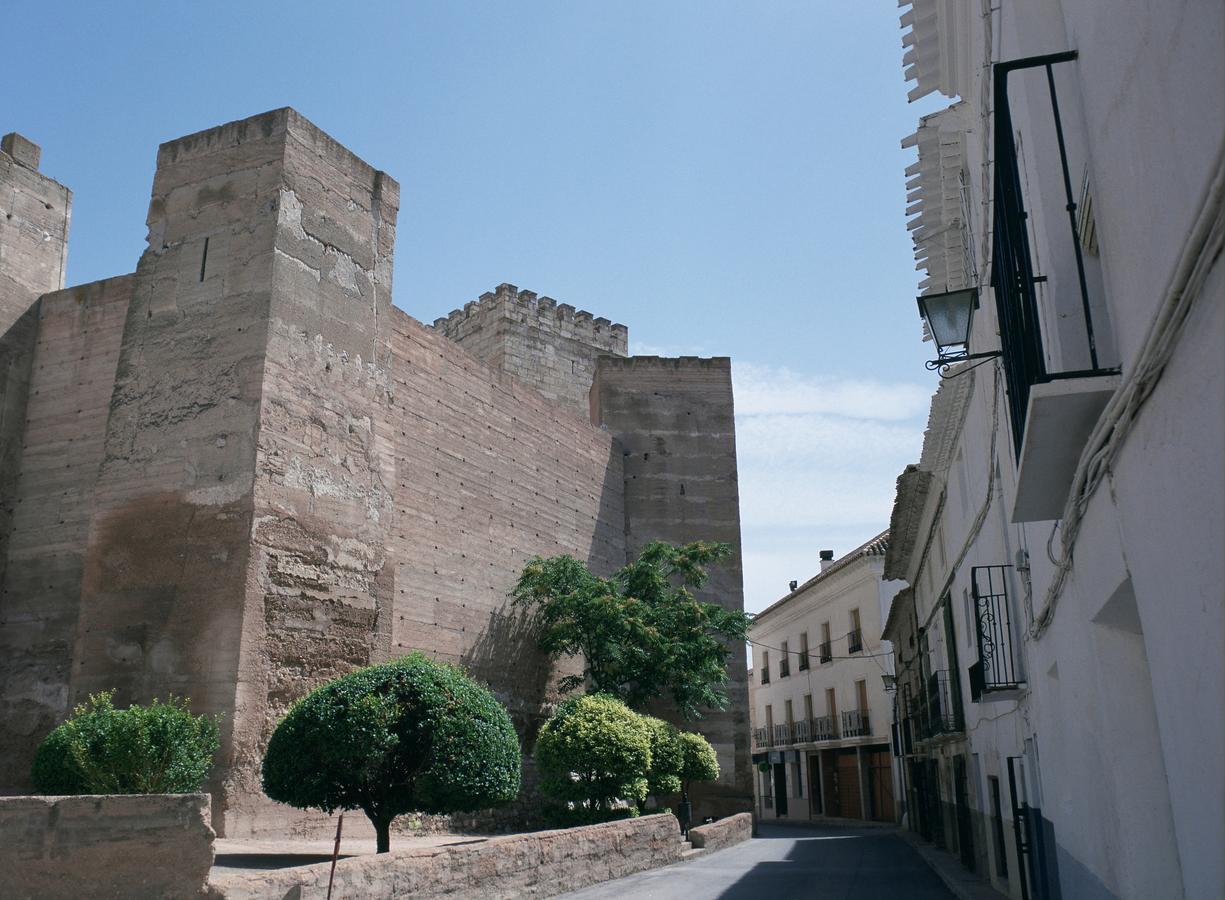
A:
<point x="964" y="884"/>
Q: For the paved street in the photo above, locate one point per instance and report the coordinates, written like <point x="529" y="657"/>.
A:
<point x="784" y="863"/>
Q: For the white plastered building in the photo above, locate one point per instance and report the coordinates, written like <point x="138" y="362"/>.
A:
<point x="820" y="709"/>
<point x="1061" y="646"/>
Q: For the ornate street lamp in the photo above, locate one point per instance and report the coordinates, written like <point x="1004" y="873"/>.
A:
<point x="949" y="317"/>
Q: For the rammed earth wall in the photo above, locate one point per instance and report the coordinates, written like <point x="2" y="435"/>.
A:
<point x="240" y="472"/>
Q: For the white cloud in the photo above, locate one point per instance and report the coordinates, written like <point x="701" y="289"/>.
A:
<point x="762" y="389"/>
<point x="818" y="458"/>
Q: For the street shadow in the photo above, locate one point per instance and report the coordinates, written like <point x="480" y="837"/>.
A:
<point x="838" y="862"/>
<point x="271" y="860"/>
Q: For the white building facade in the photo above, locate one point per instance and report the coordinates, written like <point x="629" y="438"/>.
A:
<point x="1061" y="645"/>
<point x="820" y="711"/>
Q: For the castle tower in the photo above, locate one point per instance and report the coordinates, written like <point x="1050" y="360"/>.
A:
<point x="552" y="347"/>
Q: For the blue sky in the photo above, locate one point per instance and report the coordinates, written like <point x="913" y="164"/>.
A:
<point x="724" y="178"/>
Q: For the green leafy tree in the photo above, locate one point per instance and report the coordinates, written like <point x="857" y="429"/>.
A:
<point x="411" y="735"/>
<point x="593" y="752"/>
<point x="156" y="749"/>
<point x="641" y="632"/>
<point x="667" y="757"/>
<point x="699" y="762"/>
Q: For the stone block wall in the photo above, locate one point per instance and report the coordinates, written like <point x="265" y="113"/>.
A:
<point x="35" y="213"/>
<point x="540" y="864"/>
<point x="149" y="845"/>
<point x="547" y="345"/>
<point x="674" y="422"/>
<point x="75" y="338"/>
<point x="723" y="832"/>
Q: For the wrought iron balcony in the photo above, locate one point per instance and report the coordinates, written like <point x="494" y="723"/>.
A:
<point x="784" y="667"/>
<point x="938" y="712"/>
<point x="782" y="735"/>
<point x="801" y="731"/>
<point x="765" y="675"/>
<point x="854" y="641"/>
<point x="803" y="664"/>
<point x="996" y="669"/>
<point x="824" y="728"/>
<point x="761" y="738"/>
<point x="826" y="652"/>
<point x="855" y="723"/>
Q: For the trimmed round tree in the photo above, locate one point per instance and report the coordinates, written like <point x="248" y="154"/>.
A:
<point x="593" y="752"/>
<point x="156" y="749"/>
<point x="667" y="758"/>
<point x="411" y="735"/>
<point x="699" y="762"/>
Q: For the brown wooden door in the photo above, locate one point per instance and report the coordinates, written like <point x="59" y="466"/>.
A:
<point x="880" y="777"/>
<point x="830" y="773"/>
<point x="849" y="801"/>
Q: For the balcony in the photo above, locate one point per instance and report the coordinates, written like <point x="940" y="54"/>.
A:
<point x="784" y="667"/>
<point x="854" y="641"/>
<point x="801" y="731"/>
<point x="1055" y="347"/>
<point x="761" y="738"/>
<point x="803" y="663"/>
<point x="765" y="675"/>
<point x="997" y="668"/>
<point x="782" y="735"/>
<point x="825" y="652"/>
<point x="938" y="709"/>
<point x="824" y="728"/>
<point x="855" y="723"/>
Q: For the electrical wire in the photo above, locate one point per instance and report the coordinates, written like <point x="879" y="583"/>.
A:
<point x="1203" y="246"/>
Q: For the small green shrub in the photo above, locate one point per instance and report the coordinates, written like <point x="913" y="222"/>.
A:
<point x="593" y="752"/>
<point x="156" y="749"/>
<point x="557" y="816"/>
<point x="667" y="757"/>
<point x="411" y="735"/>
<point x="699" y="760"/>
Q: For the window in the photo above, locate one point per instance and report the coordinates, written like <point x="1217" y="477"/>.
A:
<point x="784" y="664"/>
<point x="831" y="704"/>
<point x="770" y="718"/>
<point x="998" y="667"/>
<point x="827" y="653"/>
<point x="804" y="652"/>
<point x="787" y="707"/>
<point x="808" y="707"/>
<point x="854" y="640"/>
<point x="765" y="667"/>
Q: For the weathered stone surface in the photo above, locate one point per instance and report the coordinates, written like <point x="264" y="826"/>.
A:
<point x="722" y="833"/>
<point x="113" y="846"/>
<point x="540" y="864"/>
<point x="240" y="472"/>
<point x="551" y="347"/>
<point x="35" y="212"/>
<point x="50" y="491"/>
<point x="674" y="421"/>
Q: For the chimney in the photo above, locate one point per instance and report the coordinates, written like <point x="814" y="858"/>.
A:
<point x="794" y="585"/>
<point x="827" y="559"/>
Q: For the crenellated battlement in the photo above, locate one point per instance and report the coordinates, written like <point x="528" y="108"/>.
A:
<point x="667" y="362"/>
<point x="526" y="308"/>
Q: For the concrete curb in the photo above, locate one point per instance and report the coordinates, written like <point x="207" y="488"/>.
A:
<point x="963" y="884"/>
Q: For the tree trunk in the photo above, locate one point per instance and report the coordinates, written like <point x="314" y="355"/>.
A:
<point x="382" y="830"/>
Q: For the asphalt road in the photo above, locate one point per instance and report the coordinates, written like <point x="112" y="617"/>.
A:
<point x="785" y="862"/>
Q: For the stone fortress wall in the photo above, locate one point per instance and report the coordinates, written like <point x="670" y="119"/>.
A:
<point x="240" y="471"/>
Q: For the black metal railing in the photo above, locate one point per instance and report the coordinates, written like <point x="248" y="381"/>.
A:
<point x="801" y="733"/>
<point x="855" y="723"/>
<point x="1012" y="271"/>
<point x="824" y="728"/>
<point x="937" y="713"/>
<point x="825" y="652"/>
<point x="854" y="641"/>
<point x="997" y="660"/>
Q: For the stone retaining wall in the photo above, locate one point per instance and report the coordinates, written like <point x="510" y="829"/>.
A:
<point x="722" y="833"/>
<point x="540" y="864"/>
<point x="151" y="845"/>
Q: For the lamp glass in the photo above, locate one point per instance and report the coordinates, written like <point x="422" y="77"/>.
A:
<point x="948" y="318"/>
